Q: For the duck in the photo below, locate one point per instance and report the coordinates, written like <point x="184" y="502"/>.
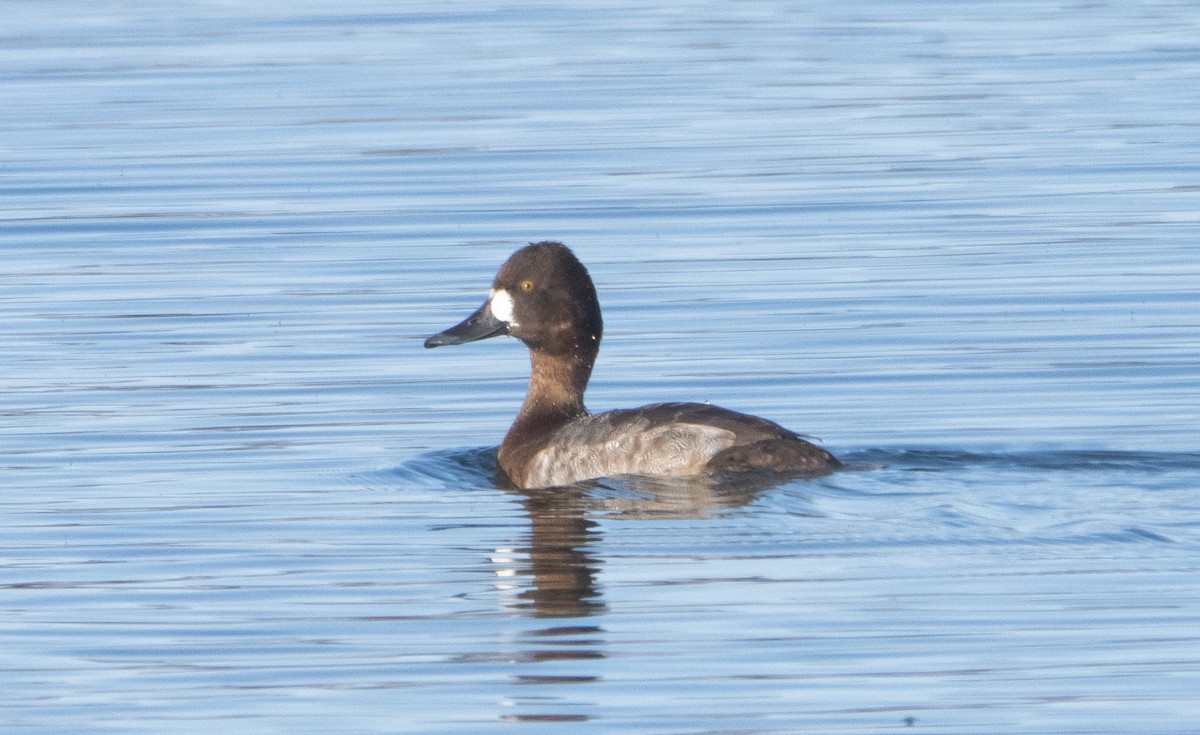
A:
<point x="544" y="297"/>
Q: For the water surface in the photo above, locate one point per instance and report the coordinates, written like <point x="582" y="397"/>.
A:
<point x="956" y="242"/>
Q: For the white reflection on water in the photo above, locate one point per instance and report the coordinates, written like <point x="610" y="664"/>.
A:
<point x="955" y="240"/>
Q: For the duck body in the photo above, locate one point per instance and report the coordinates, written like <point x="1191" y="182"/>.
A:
<point x="672" y="439"/>
<point x="544" y="296"/>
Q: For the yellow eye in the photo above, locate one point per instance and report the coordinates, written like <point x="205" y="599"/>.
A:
<point x="527" y="285"/>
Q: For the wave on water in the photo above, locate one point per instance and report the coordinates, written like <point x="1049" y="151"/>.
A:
<point x="935" y="459"/>
<point x="909" y="498"/>
<point x="473" y="467"/>
<point x="477" y="466"/>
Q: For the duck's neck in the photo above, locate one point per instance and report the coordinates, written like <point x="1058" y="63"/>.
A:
<point x="556" y="386"/>
<point x="555" y="397"/>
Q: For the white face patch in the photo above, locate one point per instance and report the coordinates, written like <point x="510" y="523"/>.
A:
<point x="501" y="305"/>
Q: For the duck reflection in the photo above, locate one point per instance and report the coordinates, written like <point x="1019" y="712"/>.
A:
<point x="559" y="566"/>
<point x="562" y="561"/>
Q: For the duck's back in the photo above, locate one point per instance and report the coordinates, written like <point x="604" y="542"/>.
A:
<point x="676" y="439"/>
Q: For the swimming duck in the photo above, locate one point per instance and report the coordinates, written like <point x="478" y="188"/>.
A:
<point x="544" y="297"/>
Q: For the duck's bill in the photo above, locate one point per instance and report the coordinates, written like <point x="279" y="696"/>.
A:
<point x="480" y="325"/>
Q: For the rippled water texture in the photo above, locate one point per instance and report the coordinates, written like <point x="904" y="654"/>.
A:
<point x="955" y="241"/>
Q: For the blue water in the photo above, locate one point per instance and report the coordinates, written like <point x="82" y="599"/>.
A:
<point x="954" y="241"/>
